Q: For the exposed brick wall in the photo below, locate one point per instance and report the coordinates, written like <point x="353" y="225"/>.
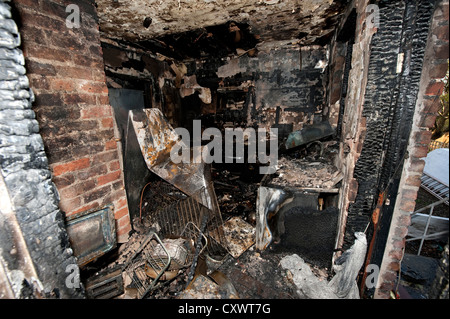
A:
<point x="66" y="71"/>
<point x="354" y="130"/>
<point x="427" y="106"/>
<point x="34" y="246"/>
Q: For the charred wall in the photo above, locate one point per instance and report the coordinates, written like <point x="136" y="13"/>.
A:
<point x="34" y="245"/>
<point x="389" y="107"/>
<point x="66" y="72"/>
<point x="282" y="86"/>
<point x="427" y="103"/>
<point x="381" y="128"/>
<point x="132" y="67"/>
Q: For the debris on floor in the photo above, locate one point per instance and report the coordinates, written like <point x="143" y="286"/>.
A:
<point x="417" y="275"/>
<point x="309" y="168"/>
<point x="342" y="286"/>
<point x="240" y="236"/>
<point x="201" y="245"/>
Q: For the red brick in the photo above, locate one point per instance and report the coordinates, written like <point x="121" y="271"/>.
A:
<point x="389" y="277"/>
<point x="39" y="68"/>
<point x="394" y="266"/>
<point x="420" y="151"/>
<point x="84" y="61"/>
<point x="31" y="17"/>
<point x="384" y="291"/>
<point x="409" y="194"/>
<point x="71" y="166"/>
<point x="114" y="166"/>
<point x="85" y="208"/>
<point x="407" y="205"/>
<point x="61" y="84"/>
<point x="432" y="105"/>
<point x="439" y="70"/>
<point x="29" y="3"/>
<point x="53" y="9"/>
<point x="96" y="194"/>
<point x="49" y="99"/>
<point x="32" y="34"/>
<point x="118" y="185"/>
<point x="92" y="172"/>
<point x="94" y="87"/>
<point x="124" y="230"/>
<point x="434" y="89"/>
<point x="105" y="157"/>
<point x="396" y="254"/>
<point x="428" y="120"/>
<point x="64" y="181"/>
<point x="46" y="53"/>
<point x="102" y="180"/>
<point x="414" y="180"/>
<point x="96" y="50"/>
<point x="401" y="231"/>
<point x="108" y="122"/>
<point x="399" y="244"/>
<point x="96" y="112"/>
<point x="445" y="10"/>
<point x="123" y="222"/>
<point x="111" y="145"/>
<point x="76" y="98"/>
<point x="75" y="72"/>
<point x="417" y="166"/>
<point x="121" y="203"/>
<point x="441" y="32"/>
<point x="77" y="190"/>
<point x="39" y="82"/>
<point x="404" y="220"/>
<point x="70" y="205"/>
<point x="121" y="213"/>
<point x="383" y="294"/>
<point x="103" y="99"/>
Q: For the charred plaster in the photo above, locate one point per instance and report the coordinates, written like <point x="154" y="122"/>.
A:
<point x="311" y="21"/>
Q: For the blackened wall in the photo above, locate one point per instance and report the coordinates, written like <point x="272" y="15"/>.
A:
<point x="282" y="86"/>
<point x="389" y="107"/>
<point x="66" y="72"/>
<point x="27" y="177"/>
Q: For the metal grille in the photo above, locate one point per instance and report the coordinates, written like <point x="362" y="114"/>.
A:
<point x="171" y="220"/>
<point x="144" y="268"/>
<point x="435" y="187"/>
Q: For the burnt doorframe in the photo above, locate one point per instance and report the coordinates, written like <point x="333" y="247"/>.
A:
<point x="398" y="92"/>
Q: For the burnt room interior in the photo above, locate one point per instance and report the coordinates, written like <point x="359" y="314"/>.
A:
<point x="340" y="88"/>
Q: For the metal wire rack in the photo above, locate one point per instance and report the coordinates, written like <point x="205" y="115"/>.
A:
<point x="171" y="219"/>
<point x="144" y="268"/>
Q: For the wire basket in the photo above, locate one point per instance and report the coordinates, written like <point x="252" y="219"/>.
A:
<point x="172" y="220"/>
<point x="144" y="268"/>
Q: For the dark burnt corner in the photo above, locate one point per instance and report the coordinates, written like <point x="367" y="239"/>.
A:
<point x="272" y="149"/>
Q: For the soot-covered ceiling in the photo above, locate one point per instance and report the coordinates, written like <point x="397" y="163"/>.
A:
<point x="194" y="28"/>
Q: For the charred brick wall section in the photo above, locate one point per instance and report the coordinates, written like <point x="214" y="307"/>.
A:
<point x="389" y="105"/>
<point x="354" y="124"/>
<point x="66" y="71"/>
<point x="427" y="107"/>
<point x="27" y="177"/>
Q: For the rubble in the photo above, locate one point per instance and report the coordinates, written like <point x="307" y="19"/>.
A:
<point x="306" y="174"/>
<point x="240" y="236"/>
<point x="238" y="270"/>
<point x="342" y="286"/>
<point x="308" y="285"/>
